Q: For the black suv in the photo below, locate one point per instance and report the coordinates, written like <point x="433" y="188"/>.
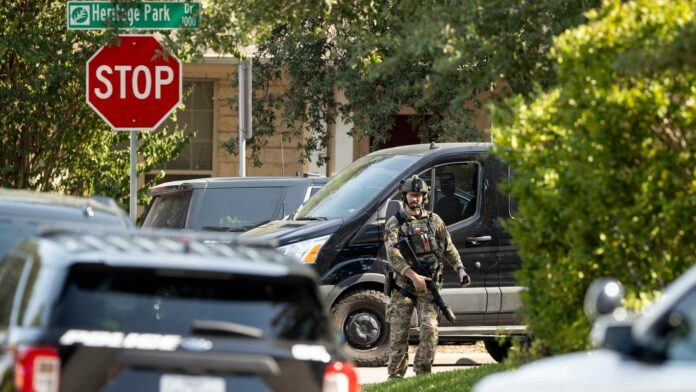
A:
<point x="227" y="204"/>
<point x="133" y="311"/>
<point x="24" y="212"/>
<point x="340" y="232"/>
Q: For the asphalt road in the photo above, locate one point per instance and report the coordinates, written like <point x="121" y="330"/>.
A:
<point x="444" y="362"/>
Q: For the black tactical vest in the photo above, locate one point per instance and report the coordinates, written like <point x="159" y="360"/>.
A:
<point x="422" y="238"/>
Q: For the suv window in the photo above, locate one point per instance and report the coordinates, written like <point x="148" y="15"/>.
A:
<point x="169" y="211"/>
<point x="96" y="297"/>
<point x="237" y="209"/>
<point x="10" y="272"/>
<point x="12" y="232"/>
<point x="36" y="296"/>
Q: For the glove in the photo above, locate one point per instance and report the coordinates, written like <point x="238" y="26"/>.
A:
<point x="464" y="279"/>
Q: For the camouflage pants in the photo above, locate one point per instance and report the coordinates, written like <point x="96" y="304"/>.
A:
<point x="399" y="311"/>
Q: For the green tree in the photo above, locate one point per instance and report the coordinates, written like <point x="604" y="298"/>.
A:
<point x="440" y="58"/>
<point x="605" y="165"/>
<point x="50" y="139"/>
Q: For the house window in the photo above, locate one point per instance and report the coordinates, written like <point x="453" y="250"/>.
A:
<point x="196" y="159"/>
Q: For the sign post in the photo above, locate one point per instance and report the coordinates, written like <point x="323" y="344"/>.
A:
<point x="245" y="95"/>
<point x="133" y="200"/>
<point x="134" y="84"/>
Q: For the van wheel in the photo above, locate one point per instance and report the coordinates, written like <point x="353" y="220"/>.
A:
<point x="360" y="316"/>
<point x="497" y="350"/>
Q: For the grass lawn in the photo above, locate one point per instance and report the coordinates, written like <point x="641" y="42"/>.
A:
<point x="457" y="380"/>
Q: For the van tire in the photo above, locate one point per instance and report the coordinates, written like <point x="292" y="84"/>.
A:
<point x="497" y="350"/>
<point x="360" y="316"/>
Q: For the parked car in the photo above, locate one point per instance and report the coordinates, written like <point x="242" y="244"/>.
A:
<point x="24" y="212"/>
<point x="655" y="351"/>
<point x="232" y="204"/>
<point x="134" y="311"/>
<point x="340" y="232"/>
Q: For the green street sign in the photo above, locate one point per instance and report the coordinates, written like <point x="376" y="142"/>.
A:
<point x="154" y="15"/>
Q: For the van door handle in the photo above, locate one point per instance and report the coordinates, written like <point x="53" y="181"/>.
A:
<point x="478" y="240"/>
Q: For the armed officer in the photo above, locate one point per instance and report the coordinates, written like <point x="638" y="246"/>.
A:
<point x="428" y="236"/>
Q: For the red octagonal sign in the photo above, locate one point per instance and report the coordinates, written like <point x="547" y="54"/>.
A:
<point x="134" y="85"/>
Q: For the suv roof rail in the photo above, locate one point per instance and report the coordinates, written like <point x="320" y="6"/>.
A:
<point x="182" y="236"/>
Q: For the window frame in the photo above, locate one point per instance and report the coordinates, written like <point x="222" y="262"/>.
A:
<point x="478" y="196"/>
<point x="193" y="173"/>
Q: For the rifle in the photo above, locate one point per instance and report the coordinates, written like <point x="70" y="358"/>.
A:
<point x="390" y="281"/>
<point x="421" y="269"/>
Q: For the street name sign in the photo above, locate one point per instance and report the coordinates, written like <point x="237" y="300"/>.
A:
<point x="134" y="84"/>
<point x="154" y="15"/>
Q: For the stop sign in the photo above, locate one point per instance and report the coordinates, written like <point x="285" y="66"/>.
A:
<point x="134" y="85"/>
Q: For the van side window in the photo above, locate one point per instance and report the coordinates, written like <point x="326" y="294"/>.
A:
<point x="169" y="211"/>
<point x="236" y="209"/>
<point x="456" y="191"/>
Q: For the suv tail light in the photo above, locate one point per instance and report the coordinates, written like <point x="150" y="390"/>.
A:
<point x="341" y="377"/>
<point x="37" y="369"/>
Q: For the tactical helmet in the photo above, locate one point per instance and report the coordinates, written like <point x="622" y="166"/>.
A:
<point x="414" y="184"/>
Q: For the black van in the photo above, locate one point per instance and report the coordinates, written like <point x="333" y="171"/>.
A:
<point x="340" y="231"/>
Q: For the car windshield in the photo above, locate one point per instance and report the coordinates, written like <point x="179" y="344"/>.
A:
<point x="355" y="186"/>
<point x="97" y="297"/>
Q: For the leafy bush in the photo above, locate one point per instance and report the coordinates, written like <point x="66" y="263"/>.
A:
<point x="605" y="165"/>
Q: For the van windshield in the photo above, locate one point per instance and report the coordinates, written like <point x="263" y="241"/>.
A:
<point x="353" y="187"/>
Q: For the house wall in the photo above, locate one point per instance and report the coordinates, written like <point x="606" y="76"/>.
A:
<point x="278" y="157"/>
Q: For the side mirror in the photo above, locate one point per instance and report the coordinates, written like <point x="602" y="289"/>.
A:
<point x="614" y="332"/>
<point x="603" y="297"/>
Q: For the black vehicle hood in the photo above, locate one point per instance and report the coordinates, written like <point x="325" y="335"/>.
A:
<point x="290" y="231"/>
